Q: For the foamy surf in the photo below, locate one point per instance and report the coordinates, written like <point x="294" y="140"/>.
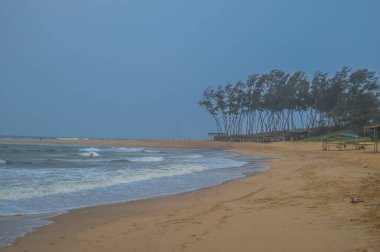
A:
<point x="56" y="185"/>
<point x="119" y="149"/>
<point x="90" y="149"/>
<point x="125" y="149"/>
<point x="147" y="159"/>
<point x="89" y="154"/>
<point x="48" y="178"/>
<point x="192" y="156"/>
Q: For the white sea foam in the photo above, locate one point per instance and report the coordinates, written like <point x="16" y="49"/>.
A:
<point x="147" y="159"/>
<point x="90" y="149"/>
<point x="2" y="162"/>
<point x="119" y="149"/>
<point x="125" y="149"/>
<point x="152" y="151"/>
<point x="89" y="154"/>
<point x="191" y="156"/>
<point x="56" y="182"/>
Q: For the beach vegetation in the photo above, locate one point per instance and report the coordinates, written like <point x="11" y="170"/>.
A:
<point x="280" y="101"/>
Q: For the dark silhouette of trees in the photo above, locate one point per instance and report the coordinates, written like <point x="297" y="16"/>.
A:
<point x="280" y="101"/>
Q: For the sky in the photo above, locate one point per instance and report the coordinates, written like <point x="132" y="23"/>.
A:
<point x="136" y="69"/>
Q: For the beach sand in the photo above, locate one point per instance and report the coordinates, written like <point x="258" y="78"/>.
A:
<point x="302" y="203"/>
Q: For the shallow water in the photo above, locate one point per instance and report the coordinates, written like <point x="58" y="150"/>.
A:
<point x="41" y="180"/>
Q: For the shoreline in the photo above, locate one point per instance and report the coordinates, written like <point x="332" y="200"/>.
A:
<point x="47" y="217"/>
<point x="302" y="202"/>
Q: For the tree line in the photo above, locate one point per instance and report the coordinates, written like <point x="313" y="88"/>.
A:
<point x="278" y="101"/>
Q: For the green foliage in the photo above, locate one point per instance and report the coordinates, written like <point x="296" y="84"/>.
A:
<point x="281" y="101"/>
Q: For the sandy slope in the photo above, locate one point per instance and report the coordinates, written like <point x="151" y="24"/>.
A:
<point x="303" y="203"/>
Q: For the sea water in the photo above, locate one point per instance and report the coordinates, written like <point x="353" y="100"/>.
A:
<point x="38" y="181"/>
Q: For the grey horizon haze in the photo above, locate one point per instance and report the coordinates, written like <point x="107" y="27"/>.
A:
<point x="137" y="69"/>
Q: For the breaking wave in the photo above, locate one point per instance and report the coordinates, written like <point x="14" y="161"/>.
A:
<point x="58" y="185"/>
<point x="89" y="154"/>
<point x="147" y="159"/>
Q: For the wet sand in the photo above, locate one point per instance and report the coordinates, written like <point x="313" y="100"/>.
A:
<point x="302" y="203"/>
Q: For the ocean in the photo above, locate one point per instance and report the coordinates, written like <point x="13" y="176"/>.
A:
<point x="39" y="181"/>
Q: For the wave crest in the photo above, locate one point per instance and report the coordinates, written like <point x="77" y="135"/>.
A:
<point x="90" y="149"/>
<point x="147" y="159"/>
<point x="89" y="154"/>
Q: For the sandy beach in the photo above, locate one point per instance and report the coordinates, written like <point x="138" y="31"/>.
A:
<point x="301" y="203"/>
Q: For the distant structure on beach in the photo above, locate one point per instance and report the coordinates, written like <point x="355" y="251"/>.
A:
<point x="346" y="140"/>
<point x="274" y="136"/>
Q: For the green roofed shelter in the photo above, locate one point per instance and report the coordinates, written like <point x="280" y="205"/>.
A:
<point x="340" y="140"/>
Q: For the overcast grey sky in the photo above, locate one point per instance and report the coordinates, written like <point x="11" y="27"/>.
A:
<point x="137" y="68"/>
